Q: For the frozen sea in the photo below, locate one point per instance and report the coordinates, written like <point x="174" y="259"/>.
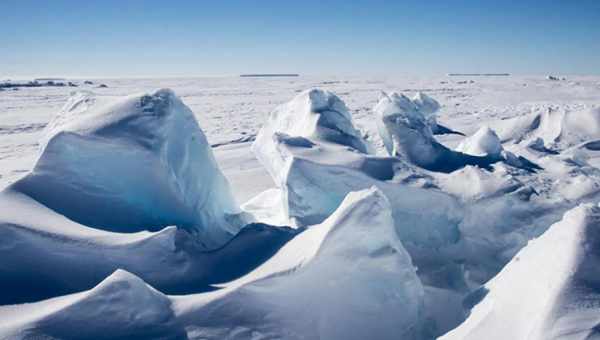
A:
<point x="231" y="110"/>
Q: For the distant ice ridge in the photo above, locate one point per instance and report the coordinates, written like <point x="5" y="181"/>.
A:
<point x="550" y="290"/>
<point x="133" y="163"/>
<point x="347" y="278"/>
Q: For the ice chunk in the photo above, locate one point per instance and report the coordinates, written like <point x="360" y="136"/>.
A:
<point x="484" y="142"/>
<point x="133" y="163"/>
<point x="425" y="104"/>
<point x="550" y="290"/>
<point x="313" y="114"/>
<point x="472" y="183"/>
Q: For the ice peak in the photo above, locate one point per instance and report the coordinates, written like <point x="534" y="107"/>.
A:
<point x="484" y="142"/>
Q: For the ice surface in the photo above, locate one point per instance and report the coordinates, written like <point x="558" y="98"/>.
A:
<point x="133" y="163"/>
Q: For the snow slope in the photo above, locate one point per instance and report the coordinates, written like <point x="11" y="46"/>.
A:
<point x="340" y="279"/>
<point x="484" y="142"/>
<point x="121" y="307"/>
<point x="40" y="245"/>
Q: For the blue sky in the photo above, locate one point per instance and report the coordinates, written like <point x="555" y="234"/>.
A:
<point x="111" y="38"/>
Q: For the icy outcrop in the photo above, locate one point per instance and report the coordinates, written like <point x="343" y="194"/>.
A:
<point x="550" y="290"/>
<point x="406" y="133"/>
<point x="484" y="142"/>
<point x="69" y="257"/>
<point x="558" y="129"/>
<point x="347" y="278"/>
<point x="133" y="163"/>
<point x="313" y="114"/>
<point x="425" y="104"/>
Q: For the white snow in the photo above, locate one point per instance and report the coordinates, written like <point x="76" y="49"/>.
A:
<point x="130" y="184"/>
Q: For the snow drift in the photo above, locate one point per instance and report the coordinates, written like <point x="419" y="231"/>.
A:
<point x="39" y="245"/>
<point x="342" y="279"/>
<point x="562" y="300"/>
<point x="133" y="163"/>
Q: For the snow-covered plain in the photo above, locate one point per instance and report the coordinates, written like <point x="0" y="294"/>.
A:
<point x="337" y="208"/>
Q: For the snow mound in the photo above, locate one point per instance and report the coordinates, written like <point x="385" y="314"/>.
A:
<point x="121" y="306"/>
<point x="560" y="302"/>
<point x="471" y="183"/>
<point x="342" y="279"/>
<point x="559" y="129"/>
<point x="133" y="163"/>
<point x="70" y="257"/>
<point x="484" y="142"/>
<point x="313" y="114"/>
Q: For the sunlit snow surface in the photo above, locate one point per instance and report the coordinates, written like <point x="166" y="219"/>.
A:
<point x="341" y="236"/>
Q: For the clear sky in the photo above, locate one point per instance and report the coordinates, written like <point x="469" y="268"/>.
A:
<point x="128" y="38"/>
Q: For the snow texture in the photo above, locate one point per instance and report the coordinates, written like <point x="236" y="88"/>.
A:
<point x="400" y="228"/>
